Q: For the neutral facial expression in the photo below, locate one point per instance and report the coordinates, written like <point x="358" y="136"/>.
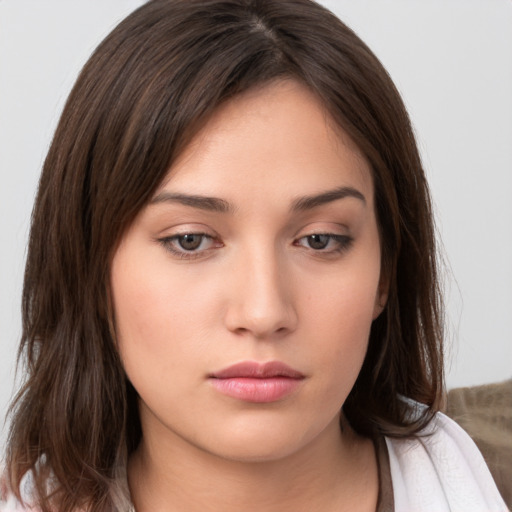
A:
<point x="244" y="292"/>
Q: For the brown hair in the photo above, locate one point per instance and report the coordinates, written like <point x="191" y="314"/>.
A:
<point x="135" y="105"/>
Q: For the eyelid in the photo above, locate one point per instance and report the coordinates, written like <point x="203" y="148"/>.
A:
<point x="340" y="236"/>
<point x="337" y="241"/>
<point x="321" y="225"/>
<point x="343" y="242"/>
<point x="168" y="243"/>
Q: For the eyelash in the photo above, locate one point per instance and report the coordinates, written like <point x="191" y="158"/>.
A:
<point x="169" y="244"/>
<point x="343" y="243"/>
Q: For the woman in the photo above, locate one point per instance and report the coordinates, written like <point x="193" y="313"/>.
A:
<point x="231" y="297"/>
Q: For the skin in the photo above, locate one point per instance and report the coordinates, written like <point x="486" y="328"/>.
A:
<point x="256" y="288"/>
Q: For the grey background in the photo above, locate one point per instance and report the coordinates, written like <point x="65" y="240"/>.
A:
<point x="452" y="61"/>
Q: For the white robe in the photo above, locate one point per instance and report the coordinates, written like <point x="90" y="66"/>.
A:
<point x="442" y="471"/>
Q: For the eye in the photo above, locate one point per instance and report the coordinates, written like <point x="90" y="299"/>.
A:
<point x="189" y="245"/>
<point x="325" y="242"/>
<point x="190" y="241"/>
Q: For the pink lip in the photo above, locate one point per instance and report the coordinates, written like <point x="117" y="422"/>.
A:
<point x="255" y="382"/>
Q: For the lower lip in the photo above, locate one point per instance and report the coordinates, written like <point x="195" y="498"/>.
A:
<point x="256" y="390"/>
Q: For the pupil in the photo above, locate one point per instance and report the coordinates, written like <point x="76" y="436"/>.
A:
<point x="318" y="241"/>
<point x="190" y="242"/>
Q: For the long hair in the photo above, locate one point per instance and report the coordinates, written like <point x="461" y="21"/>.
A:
<point x="137" y="102"/>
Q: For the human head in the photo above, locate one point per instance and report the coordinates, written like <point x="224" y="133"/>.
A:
<point x="141" y="97"/>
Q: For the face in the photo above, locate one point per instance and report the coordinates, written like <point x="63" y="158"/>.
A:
<point x="245" y="290"/>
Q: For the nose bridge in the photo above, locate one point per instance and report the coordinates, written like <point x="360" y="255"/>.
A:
<point x="263" y="302"/>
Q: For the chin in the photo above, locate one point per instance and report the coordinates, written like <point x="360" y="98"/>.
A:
<point x="261" y="441"/>
<point x="256" y="451"/>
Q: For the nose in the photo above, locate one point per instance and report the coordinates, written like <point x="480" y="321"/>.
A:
<point x="261" y="301"/>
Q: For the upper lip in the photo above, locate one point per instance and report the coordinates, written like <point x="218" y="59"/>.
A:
<point x="255" y="370"/>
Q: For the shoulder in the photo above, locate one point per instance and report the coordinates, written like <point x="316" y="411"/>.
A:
<point x="8" y="502"/>
<point x="12" y="505"/>
<point x="441" y="469"/>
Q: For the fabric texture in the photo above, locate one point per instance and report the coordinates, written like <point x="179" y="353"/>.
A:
<point x="385" y="501"/>
<point x="441" y="470"/>
<point x="485" y="413"/>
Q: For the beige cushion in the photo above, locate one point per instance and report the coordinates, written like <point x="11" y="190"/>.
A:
<point x="485" y="412"/>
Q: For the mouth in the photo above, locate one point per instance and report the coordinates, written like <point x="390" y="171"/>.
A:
<point x="256" y="382"/>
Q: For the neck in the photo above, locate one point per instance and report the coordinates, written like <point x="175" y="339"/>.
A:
<point x="338" y="472"/>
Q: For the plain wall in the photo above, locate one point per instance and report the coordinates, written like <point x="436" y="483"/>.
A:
<point x="452" y="61"/>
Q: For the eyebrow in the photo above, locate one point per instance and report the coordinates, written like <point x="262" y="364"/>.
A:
<point x="215" y="204"/>
<point x="211" y="204"/>
<point x="310" y="202"/>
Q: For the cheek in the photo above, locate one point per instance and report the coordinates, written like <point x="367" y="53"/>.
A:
<point x="161" y="322"/>
<point x="340" y="313"/>
<point x="342" y="329"/>
<point x="344" y="301"/>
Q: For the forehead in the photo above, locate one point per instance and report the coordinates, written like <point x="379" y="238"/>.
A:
<point x="279" y="136"/>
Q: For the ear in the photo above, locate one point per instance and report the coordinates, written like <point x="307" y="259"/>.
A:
<point x="381" y="297"/>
